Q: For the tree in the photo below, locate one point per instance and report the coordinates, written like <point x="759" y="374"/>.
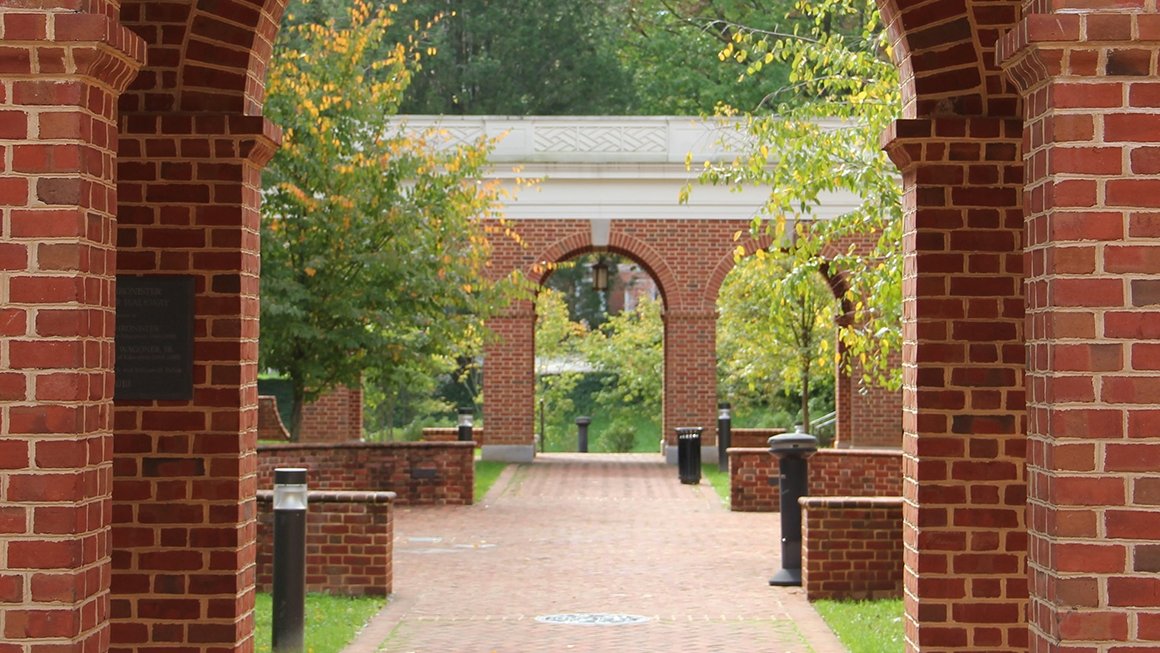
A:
<point x="672" y="45"/>
<point x="372" y="244"/>
<point x="558" y="346"/>
<point x="775" y="327"/>
<point x="522" y="57"/>
<point x="629" y="348"/>
<point x="817" y="134"/>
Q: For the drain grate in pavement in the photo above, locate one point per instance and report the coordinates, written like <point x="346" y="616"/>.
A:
<point x="592" y="619"/>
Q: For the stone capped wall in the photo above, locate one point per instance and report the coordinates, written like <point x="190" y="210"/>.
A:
<point x="418" y="472"/>
<point x="753" y="476"/>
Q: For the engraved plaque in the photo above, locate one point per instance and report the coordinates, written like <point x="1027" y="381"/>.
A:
<point x="154" y="341"/>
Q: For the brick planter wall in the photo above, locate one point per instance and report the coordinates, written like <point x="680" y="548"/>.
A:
<point x="349" y="539"/>
<point x="753" y="476"/>
<point x="752" y="438"/>
<point x="852" y="547"/>
<point x="449" y="434"/>
<point x="418" y="472"/>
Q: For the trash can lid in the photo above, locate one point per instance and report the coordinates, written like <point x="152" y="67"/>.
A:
<point x="689" y="430"/>
<point x="793" y="443"/>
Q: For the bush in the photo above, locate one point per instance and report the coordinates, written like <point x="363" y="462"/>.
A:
<point x="618" y="437"/>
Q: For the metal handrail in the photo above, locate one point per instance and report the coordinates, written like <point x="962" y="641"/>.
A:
<point x="825" y="420"/>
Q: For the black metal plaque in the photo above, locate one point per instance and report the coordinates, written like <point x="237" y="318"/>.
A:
<point x="154" y="337"/>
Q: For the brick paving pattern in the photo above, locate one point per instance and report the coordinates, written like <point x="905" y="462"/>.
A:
<point x="576" y="533"/>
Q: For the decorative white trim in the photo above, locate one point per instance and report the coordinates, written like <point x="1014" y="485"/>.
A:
<point x="612" y="167"/>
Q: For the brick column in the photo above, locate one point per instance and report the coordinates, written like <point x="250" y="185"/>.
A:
<point x="58" y="97"/>
<point x="184" y="479"/>
<point x="963" y="424"/>
<point x="690" y="383"/>
<point x="509" y="385"/>
<point x="1093" y="220"/>
<point x="336" y="416"/>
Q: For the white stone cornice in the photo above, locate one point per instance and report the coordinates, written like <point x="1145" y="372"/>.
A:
<point x="611" y="167"/>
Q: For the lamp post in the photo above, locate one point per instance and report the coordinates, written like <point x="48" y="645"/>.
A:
<point x="600" y="275"/>
<point x="466" y="424"/>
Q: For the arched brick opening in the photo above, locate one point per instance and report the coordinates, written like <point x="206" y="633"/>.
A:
<point x="959" y="150"/>
<point x="1065" y="153"/>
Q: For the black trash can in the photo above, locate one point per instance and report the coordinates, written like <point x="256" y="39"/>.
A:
<point x="689" y="454"/>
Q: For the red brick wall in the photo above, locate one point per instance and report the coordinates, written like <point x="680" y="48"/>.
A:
<point x="450" y="434"/>
<point x="62" y="71"/>
<point x="1093" y="321"/>
<point x="752" y="438"/>
<point x="270" y="426"/>
<point x="418" y="472"/>
<point x="336" y="416"/>
<point x="753" y="476"/>
<point x="349" y="543"/>
<point x="852" y="547"/>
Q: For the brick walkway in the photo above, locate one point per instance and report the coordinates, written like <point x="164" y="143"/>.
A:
<point x="591" y="534"/>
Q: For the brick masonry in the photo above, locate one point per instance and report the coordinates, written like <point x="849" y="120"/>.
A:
<point x="1028" y="165"/>
<point x="336" y="416"/>
<point x="349" y="543"/>
<point x="689" y="259"/>
<point x="419" y="473"/>
<point x="450" y="434"/>
<point x="753" y="476"/>
<point x="852" y="547"/>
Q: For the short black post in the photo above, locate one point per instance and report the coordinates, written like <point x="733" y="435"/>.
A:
<point x="582" y="423"/>
<point x="289" y="560"/>
<point x="724" y="434"/>
<point x="792" y="451"/>
<point x="466" y="426"/>
<point x="689" y="454"/>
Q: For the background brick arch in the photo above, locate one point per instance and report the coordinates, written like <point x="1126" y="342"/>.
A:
<point x="624" y="245"/>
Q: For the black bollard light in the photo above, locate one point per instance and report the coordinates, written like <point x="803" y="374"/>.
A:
<point x="792" y="451"/>
<point x="582" y="423"/>
<point x="724" y="434"/>
<point x="289" y="560"/>
<point x="466" y="425"/>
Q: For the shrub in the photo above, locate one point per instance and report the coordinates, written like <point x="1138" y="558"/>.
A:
<point x="618" y="437"/>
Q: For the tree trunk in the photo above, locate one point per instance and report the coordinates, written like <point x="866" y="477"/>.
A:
<point x="297" y="404"/>
<point x="806" y="399"/>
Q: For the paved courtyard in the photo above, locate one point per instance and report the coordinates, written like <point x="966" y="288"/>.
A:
<point x="591" y="534"/>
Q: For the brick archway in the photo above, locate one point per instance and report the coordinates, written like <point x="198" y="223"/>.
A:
<point x="1030" y="289"/>
<point x="601" y="192"/>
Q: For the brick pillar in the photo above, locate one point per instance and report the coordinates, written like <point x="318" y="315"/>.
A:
<point x="58" y="97"/>
<point x="334" y="417"/>
<point x="509" y="385"/>
<point x="184" y="471"/>
<point x="690" y="382"/>
<point x="1093" y="220"/>
<point x="963" y="420"/>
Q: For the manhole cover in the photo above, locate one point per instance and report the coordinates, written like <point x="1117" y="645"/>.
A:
<point x="592" y="619"/>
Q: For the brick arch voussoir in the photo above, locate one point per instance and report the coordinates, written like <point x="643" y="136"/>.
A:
<point x="726" y="264"/>
<point x="227" y="49"/>
<point x="652" y="262"/>
<point x="945" y="52"/>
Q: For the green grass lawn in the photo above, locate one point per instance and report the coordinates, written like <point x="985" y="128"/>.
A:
<point x="717" y="478"/>
<point x="486" y="473"/>
<point x="866" y="626"/>
<point x="331" y="621"/>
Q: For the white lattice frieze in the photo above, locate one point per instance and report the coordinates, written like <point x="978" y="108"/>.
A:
<point x="601" y="138"/>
